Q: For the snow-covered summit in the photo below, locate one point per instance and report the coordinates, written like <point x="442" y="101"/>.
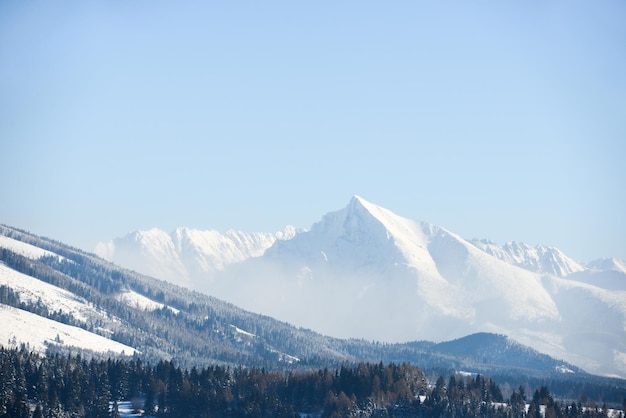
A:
<point x="540" y="259"/>
<point x="608" y="264"/>
<point x="355" y="237"/>
<point x="187" y="256"/>
<point x="430" y="280"/>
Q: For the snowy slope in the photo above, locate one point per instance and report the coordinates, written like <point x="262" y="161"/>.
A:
<point x="54" y="298"/>
<point x="539" y="259"/>
<point x="593" y="324"/>
<point x="608" y="264"/>
<point x="19" y="326"/>
<point x="24" y="249"/>
<point x="151" y="252"/>
<point x="186" y="256"/>
<point x="39" y="332"/>
<point x="138" y="301"/>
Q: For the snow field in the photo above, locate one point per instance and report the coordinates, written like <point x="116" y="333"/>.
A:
<point x="38" y="332"/>
<point x="138" y="301"/>
<point x="24" y="249"/>
<point x="30" y="290"/>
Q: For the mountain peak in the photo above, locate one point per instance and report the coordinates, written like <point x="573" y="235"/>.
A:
<point x="387" y="218"/>
<point x="357" y="198"/>
<point x="539" y="259"/>
<point x="610" y="264"/>
<point x="358" y="203"/>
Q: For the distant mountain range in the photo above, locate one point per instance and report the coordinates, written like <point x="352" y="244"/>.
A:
<point x="186" y="256"/>
<point x="366" y="272"/>
<point x="58" y="299"/>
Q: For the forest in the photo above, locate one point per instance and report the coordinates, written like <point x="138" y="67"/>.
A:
<point x="72" y="386"/>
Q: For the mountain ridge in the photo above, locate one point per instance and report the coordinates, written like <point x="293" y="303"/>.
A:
<point x="554" y="262"/>
<point x="186" y="255"/>
<point x="538" y="259"/>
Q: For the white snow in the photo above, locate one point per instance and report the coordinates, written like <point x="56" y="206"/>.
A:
<point x="25" y="249"/>
<point x="31" y="290"/>
<point x="149" y="252"/>
<point x="564" y="370"/>
<point x="243" y="332"/>
<point x="613" y="264"/>
<point x="186" y="254"/>
<point x="539" y="259"/>
<point x="125" y="408"/>
<point x="138" y="301"/>
<point x="285" y="357"/>
<point x="19" y="326"/>
<point x="38" y="332"/>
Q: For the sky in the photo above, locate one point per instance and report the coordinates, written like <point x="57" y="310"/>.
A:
<point x="498" y="120"/>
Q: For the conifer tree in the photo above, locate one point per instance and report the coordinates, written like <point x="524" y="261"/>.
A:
<point x="115" y="411"/>
<point x="38" y="413"/>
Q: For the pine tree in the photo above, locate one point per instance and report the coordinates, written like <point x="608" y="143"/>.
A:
<point x="115" y="411"/>
<point x="38" y="413"/>
<point x="518" y="404"/>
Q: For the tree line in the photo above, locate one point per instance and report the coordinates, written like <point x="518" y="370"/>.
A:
<point x="73" y="386"/>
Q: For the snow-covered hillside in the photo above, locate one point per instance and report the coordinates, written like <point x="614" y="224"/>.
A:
<point x="24" y="249"/>
<point x="40" y="333"/>
<point x="31" y="290"/>
<point x="139" y="301"/>
<point x="186" y="256"/>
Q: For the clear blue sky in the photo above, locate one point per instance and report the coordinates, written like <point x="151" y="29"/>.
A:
<point x="499" y="120"/>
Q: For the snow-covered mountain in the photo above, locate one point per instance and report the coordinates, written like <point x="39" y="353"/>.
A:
<point x="40" y="333"/>
<point x="539" y="259"/>
<point x="364" y="271"/>
<point x="59" y="299"/>
<point x="608" y="264"/>
<point x="187" y="257"/>
<point x="373" y="266"/>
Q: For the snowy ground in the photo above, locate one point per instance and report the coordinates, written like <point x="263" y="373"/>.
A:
<point x="126" y="409"/>
<point x="31" y="290"/>
<point x="38" y="332"/>
<point x="24" y="249"/>
<point x="135" y="300"/>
